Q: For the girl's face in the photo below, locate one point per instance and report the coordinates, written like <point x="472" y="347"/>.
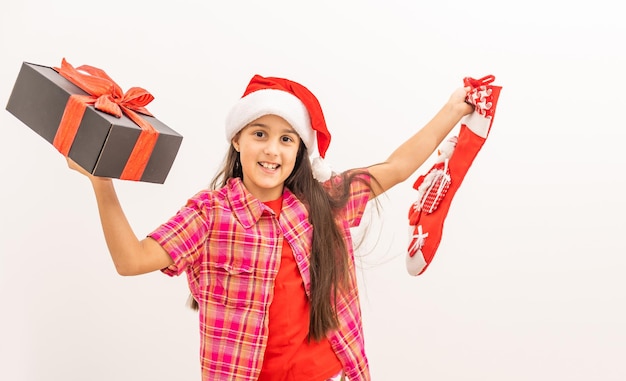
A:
<point x="267" y="147"/>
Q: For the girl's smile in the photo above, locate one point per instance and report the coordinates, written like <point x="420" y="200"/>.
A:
<point x="269" y="166"/>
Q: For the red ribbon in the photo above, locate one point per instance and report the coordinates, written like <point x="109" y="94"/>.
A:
<point x="474" y="83"/>
<point x="106" y="96"/>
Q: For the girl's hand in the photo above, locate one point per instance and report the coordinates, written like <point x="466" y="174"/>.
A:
<point x="72" y="164"/>
<point x="457" y="101"/>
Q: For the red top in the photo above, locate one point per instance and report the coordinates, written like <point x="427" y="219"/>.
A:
<point x="289" y="355"/>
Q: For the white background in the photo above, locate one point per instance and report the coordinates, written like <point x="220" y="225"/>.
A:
<point x="528" y="283"/>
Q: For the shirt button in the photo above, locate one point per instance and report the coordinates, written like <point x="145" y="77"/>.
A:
<point x="299" y="257"/>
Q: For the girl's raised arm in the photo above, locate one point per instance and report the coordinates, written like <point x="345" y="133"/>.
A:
<point x="407" y="158"/>
<point x="130" y="255"/>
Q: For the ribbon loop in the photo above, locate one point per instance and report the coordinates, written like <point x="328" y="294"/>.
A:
<point x="136" y="98"/>
<point x="95" y="72"/>
<point x="468" y="81"/>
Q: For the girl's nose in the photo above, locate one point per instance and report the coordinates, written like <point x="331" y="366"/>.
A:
<point x="271" y="148"/>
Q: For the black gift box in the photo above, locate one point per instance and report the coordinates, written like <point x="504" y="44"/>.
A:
<point x="103" y="143"/>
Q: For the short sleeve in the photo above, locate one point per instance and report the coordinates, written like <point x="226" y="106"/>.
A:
<point x="184" y="235"/>
<point x="359" y="195"/>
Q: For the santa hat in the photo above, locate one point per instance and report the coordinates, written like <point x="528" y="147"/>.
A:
<point x="292" y="102"/>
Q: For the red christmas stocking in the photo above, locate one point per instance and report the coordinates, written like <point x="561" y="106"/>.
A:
<point x="437" y="188"/>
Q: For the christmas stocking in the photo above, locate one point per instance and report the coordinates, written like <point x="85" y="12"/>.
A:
<point x="437" y="188"/>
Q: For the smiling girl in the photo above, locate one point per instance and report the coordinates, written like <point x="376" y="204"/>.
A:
<point x="267" y="250"/>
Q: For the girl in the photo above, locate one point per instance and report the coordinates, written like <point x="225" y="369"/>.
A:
<point x="267" y="251"/>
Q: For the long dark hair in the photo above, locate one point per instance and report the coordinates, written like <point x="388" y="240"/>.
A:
<point x="329" y="263"/>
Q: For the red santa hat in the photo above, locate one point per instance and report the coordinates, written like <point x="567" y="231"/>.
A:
<point x="292" y="102"/>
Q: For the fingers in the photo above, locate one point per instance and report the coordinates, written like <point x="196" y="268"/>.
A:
<point x="469" y="107"/>
<point x="74" y="166"/>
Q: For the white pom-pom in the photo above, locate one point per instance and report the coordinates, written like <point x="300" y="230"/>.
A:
<point x="321" y="171"/>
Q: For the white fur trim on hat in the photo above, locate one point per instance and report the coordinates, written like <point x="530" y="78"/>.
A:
<point x="274" y="102"/>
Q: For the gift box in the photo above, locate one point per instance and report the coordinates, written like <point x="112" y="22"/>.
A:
<point x="83" y="113"/>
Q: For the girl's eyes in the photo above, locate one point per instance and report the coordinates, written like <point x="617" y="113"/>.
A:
<point x="284" y="139"/>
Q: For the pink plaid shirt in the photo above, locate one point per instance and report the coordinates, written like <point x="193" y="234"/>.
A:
<point x="229" y="243"/>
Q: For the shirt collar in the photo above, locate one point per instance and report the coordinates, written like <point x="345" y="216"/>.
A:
<point x="247" y="208"/>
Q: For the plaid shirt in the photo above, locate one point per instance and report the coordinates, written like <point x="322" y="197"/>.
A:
<point x="229" y="243"/>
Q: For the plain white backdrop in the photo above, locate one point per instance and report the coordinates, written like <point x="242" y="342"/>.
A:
<point x="528" y="282"/>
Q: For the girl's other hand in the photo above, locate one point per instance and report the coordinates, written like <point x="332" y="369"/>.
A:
<point x="457" y="101"/>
